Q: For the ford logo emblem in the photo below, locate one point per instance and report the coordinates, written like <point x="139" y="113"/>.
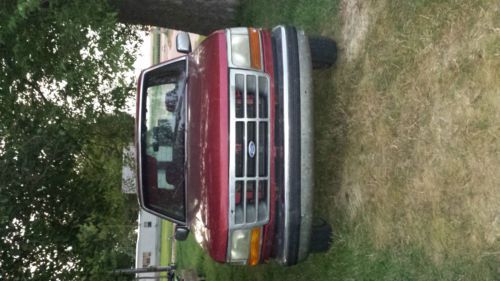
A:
<point x="251" y="149"/>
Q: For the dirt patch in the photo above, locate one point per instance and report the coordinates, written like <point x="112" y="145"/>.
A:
<point x="356" y="19"/>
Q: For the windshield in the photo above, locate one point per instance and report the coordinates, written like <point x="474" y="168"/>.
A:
<point x="162" y="140"/>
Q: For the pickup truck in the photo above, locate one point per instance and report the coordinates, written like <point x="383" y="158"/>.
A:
<point x="224" y="139"/>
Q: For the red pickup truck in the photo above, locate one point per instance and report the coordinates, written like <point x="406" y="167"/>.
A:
<point x="224" y="139"/>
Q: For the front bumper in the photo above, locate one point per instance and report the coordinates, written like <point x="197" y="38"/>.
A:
<point x="294" y="133"/>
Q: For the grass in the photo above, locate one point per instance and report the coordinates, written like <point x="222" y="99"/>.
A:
<point x="407" y="141"/>
<point x="166" y="245"/>
<point x="166" y="249"/>
<point x="313" y="15"/>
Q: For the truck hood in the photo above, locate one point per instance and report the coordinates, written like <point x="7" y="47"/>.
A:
<point x="207" y="145"/>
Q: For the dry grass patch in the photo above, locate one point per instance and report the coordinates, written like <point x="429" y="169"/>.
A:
<point x="357" y="16"/>
<point x="423" y="159"/>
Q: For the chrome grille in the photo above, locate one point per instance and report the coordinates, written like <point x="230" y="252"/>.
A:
<point x="249" y="149"/>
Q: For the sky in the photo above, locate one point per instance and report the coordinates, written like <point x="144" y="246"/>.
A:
<point x="143" y="60"/>
<point x="144" y="56"/>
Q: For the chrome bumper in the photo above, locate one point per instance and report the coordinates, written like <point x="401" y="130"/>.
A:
<point x="295" y="179"/>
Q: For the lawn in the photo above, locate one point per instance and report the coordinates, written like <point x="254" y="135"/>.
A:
<point x="166" y="245"/>
<point x="407" y="141"/>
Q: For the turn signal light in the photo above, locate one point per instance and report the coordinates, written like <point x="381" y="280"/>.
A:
<point x="255" y="60"/>
<point x="254" y="257"/>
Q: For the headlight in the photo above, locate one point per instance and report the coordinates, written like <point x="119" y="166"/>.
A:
<point x="245" y="246"/>
<point x="240" y="50"/>
<point x="240" y="245"/>
<point x="245" y="48"/>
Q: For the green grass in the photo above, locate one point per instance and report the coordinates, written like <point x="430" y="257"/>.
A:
<point x="314" y="16"/>
<point x="166" y="244"/>
<point x="407" y="141"/>
<point x="156" y="46"/>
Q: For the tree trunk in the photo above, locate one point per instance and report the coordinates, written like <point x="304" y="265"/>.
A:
<point x="197" y="16"/>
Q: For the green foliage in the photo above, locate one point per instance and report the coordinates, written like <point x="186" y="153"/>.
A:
<point x="62" y="85"/>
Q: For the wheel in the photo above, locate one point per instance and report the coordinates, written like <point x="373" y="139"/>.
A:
<point x="323" y="52"/>
<point x="321" y="237"/>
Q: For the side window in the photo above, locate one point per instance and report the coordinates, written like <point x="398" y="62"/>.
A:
<point x="147" y="224"/>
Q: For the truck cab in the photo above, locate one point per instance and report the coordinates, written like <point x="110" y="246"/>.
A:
<point x="224" y="139"/>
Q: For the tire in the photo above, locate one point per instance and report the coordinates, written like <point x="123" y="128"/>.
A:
<point x="323" y="52"/>
<point x="321" y="237"/>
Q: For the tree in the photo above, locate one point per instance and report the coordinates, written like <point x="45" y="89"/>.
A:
<point x="198" y="16"/>
<point x="62" y="86"/>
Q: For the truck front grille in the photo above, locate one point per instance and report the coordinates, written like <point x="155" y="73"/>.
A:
<point x="249" y="149"/>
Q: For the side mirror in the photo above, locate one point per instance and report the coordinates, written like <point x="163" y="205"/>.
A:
<point x="183" y="43"/>
<point x="181" y="233"/>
